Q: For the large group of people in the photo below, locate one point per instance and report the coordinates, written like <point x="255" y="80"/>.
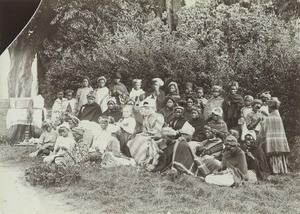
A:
<point x="226" y="140"/>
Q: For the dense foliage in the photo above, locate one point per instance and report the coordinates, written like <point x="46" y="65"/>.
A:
<point x="213" y="44"/>
<point x="52" y="175"/>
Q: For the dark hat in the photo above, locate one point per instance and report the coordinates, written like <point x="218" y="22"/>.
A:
<point x="256" y="101"/>
<point x="178" y="107"/>
<point x="117" y="75"/>
<point x="169" y="98"/>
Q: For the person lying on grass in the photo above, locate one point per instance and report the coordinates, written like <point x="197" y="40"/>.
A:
<point x="233" y="169"/>
<point x="46" y="140"/>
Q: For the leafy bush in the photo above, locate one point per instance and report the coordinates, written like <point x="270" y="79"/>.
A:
<point x="52" y="175"/>
<point x="213" y="44"/>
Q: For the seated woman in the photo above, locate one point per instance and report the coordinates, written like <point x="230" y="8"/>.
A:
<point x="143" y="148"/>
<point x="63" y="147"/>
<point x="218" y="124"/>
<point x="90" y="111"/>
<point x="190" y="103"/>
<point x="46" y="140"/>
<point x="179" y="119"/>
<point x="112" y="110"/>
<point x="168" y="110"/>
<point x="255" y="156"/>
<point x="198" y="123"/>
<point x="173" y="91"/>
<point x="80" y="152"/>
<point x="106" y="148"/>
<point x="137" y="116"/>
<point x="233" y="169"/>
<point x="126" y="127"/>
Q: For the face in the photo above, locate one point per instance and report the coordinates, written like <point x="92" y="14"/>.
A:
<point x="117" y="80"/>
<point x="188" y="89"/>
<point x="215" y="117"/>
<point x="130" y="103"/>
<point x="72" y="124"/>
<point x="126" y="112"/>
<point x="215" y="94"/>
<point x="172" y="89"/>
<point x="247" y="102"/>
<point x="170" y="104"/>
<point x="155" y="86"/>
<point x="209" y="134"/>
<point x="91" y="100"/>
<point x="85" y="83"/>
<point x="60" y="95"/>
<point x="136" y="86"/>
<point x="104" y="125"/>
<point x="63" y="132"/>
<point x="194" y="114"/>
<point x="233" y="90"/>
<point x="229" y="148"/>
<point x="249" y="140"/>
<point x="101" y="83"/>
<point x="177" y="112"/>
<point x="256" y="107"/>
<point x="69" y="96"/>
<point x="200" y="93"/>
<point x="189" y="102"/>
<point x="110" y="105"/>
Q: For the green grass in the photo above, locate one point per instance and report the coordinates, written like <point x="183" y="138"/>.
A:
<point x="129" y="190"/>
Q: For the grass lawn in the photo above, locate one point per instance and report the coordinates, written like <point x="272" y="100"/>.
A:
<point x="129" y="190"/>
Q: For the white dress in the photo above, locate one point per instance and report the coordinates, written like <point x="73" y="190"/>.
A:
<point x="102" y="96"/>
<point x="57" y="109"/>
<point x="135" y="94"/>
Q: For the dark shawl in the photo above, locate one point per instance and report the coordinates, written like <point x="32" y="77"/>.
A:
<point x="90" y="112"/>
<point x="160" y="100"/>
<point x="260" y="164"/>
<point x="198" y="123"/>
<point x="222" y="130"/>
<point x="232" y="109"/>
<point x="165" y="158"/>
<point x="168" y="114"/>
<point x="115" y="113"/>
<point x="177" y="123"/>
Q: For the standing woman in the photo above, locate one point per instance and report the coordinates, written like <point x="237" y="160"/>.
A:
<point x="156" y="94"/>
<point x="102" y="93"/>
<point x="82" y="92"/>
<point x="232" y="106"/>
<point x="214" y="102"/>
<point x="273" y="139"/>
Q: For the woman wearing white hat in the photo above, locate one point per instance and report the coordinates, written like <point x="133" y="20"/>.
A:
<point x="102" y="93"/>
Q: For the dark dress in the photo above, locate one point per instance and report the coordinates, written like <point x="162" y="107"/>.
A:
<point x="165" y="158"/>
<point x="232" y="106"/>
<point x="160" y="100"/>
<point x="115" y="113"/>
<point x="168" y="114"/>
<point x="198" y="123"/>
<point x="90" y="112"/>
<point x="177" y="123"/>
<point x="260" y="164"/>
<point x="187" y="114"/>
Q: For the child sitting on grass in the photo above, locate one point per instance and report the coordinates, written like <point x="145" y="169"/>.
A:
<point x="63" y="147"/>
<point x="46" y="140"/>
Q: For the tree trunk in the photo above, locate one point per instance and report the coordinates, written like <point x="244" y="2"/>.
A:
<point x="20" y="76"/>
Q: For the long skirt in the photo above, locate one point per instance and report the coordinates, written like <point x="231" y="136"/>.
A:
<point x="144" y="150"/>
<point x="278" y="164"/>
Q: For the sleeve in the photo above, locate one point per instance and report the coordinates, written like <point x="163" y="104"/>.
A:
<point x="158" y="123"/>
<point x="42" y="138"/>
<point x="131" y="126"/>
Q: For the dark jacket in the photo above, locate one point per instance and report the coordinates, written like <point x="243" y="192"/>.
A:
<point x="90" y="112"/>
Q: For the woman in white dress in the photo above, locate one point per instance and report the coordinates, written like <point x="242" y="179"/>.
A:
<point x="102" y="93"/>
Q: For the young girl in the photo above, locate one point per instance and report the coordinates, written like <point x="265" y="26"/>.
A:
<point x="201" y="101"/>
<point x="214" y="102"/>
<point x="57" y="108"/>
<point x="244" y="112"/>
<point x="174" y="91"/>
<point x="127" y="127"/>
<point x="70" y="103"/>
<point x="82" y="92"/>
<point x="136" y="91"/>
<point x="102" y="93"/>
<point x="63" y="147"/>
<point x="46" y="140"/>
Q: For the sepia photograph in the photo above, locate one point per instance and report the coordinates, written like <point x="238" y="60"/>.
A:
<point x="149" y="106"/>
